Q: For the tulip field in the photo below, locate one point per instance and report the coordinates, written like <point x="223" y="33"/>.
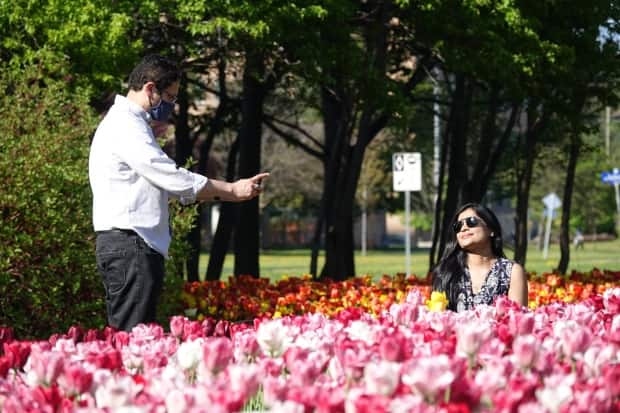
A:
<point x="354" y="346"/>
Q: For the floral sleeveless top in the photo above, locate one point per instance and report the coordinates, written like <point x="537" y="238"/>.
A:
<point x="496" y="283"/>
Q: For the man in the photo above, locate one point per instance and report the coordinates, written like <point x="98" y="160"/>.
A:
<point x="131" y="179"/>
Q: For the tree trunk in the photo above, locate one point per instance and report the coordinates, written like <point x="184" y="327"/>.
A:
<point x="437" y="218"/>
<point x="336" y="112"/>
<point x="575" y="145"/>
<point x="339" y="257"/>
<point x="225" y="224"/>
<point x="183" y="152"/>
<point x="535" y="126"/>
<point x="247" y="241"/>
<point x="457" y="168"/>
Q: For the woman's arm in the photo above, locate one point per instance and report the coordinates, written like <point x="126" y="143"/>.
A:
<point x="518" y="285"/>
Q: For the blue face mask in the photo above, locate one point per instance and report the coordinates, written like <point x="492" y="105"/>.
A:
<point x="162" y="111"/>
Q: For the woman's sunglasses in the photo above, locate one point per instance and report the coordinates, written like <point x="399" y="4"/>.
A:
<point x="470" y="221"/>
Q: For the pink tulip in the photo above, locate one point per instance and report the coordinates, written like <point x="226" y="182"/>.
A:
<point x="75" y="333"/>
<point x="491" y="349"/>
<point x="596" y="357"/>
<point x="116" y="392"/>
<point x="6" y="335"/>
<point x="521" y="323"/>
<point x="410" y="403"/>
<point x="217" y="353"/>
<point x="143" y="333"/>
<point x="382" y="378"/>
<point x="405" y="314"/>
<point x="395" y="347"/>
<point x="5" y="366"/>
<point x="520" y="389"/>
<point x="331" y="401"/>
<point x="442" y="322"/>
<point x="110" y="360"/>
<point x="428" y="376"/>
<point x="208" y="326"/>
<point x="613" y="333"/>
<point x="177" y="324"/>
<point x="274" y="390"/>
<point x="192" y="330"/>
<point x="45" y="366"/>
<point x="287" y="407"/>
<point x="50" y="398"/>
<point x="17" y="352"/>
<point x="611" y="376"/>
<point x="575" y="341"/>
<point x="271" y="366"/>
<point x="525" y="349"/>
<point x="470" y="337"/>
<point x="120" y="339"/>
<point x="242" y="379"/>
<point x="492" y="377"/>
<point x="367" y="403"/>
<point x="222" y="329"/>
<point x="246" y="347"/>
<point x="178" y="402"/>
<point x="557" y="392"/>
<point x="76" y="380"/>
<point x="504" y="305"/>
<point x="611" y="300"/>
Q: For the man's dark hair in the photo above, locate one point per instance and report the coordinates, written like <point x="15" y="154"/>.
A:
<point x="154" y="68"/>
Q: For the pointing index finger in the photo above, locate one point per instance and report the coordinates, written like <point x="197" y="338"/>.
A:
<point x="259" y="177"/>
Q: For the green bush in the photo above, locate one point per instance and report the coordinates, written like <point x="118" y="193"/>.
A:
<point x="48" y="278"/>
<point x="170" y="303"/>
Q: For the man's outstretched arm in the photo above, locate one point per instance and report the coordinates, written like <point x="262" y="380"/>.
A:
<point x="240" y="190"/>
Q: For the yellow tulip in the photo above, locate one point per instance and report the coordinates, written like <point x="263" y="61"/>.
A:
<point x="438" y="301"/>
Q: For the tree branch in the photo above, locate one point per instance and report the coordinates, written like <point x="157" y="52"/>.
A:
<point x="290" y="138"/>
<point x="296" y="128"/>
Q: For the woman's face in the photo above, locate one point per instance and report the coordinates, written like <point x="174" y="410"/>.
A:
<point x="471" y="231"/>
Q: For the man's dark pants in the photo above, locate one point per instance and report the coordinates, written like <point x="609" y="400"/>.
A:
<point x="132" y="274"/>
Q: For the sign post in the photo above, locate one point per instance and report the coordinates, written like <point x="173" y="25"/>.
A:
<point x="407" y="177"/>
<point x="613" y="178"/>
<point x="552" y="202"/>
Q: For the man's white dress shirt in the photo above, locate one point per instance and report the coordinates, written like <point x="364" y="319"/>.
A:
<point x="132" y="178"/>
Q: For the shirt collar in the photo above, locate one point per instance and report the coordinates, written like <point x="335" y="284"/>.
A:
<point x="132" y="107"/>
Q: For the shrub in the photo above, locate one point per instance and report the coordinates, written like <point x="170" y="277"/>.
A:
<point x="48" y="278"/>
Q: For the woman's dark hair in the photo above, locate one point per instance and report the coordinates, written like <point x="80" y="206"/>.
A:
<point x="450" y="268"/>
<point x="154" y="68"/>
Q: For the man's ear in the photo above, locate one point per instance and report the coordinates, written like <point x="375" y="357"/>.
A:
<point x="148" y="87"/>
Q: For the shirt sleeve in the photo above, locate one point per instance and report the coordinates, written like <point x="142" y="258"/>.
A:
<point x="142" y="153"/>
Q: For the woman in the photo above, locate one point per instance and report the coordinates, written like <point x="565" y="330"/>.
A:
<point x="474" y="269"/>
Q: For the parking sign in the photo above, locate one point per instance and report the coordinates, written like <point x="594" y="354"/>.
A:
<point x="407" y="171"/>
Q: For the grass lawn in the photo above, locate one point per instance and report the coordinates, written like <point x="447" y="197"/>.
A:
<point x="276" y="263"/>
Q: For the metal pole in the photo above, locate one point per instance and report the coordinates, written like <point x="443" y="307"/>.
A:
<point x="607" y="134"/>
<point x="436" y="150"/>
<point x="407" y="236"/>
<point x="364" y="223"/>
<point x="617" y="188"/>
<point x="547" y="233"/>
<point x="541" y="235"/>
<point x="436" y="139"/>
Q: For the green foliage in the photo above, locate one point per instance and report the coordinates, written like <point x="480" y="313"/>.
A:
<point x="593" y="205"/>
<point x="92" y="33"/>
<point x="182" y="220"/>
<point x="48" y="278"/>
